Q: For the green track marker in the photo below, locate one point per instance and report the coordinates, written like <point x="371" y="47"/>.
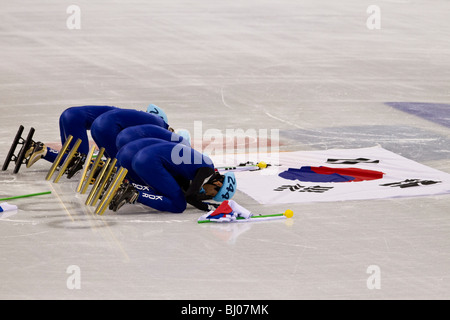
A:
<point x="26" y="195"/>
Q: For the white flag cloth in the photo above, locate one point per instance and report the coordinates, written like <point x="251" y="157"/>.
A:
<point x="7" y="210"/>
<point x="304" y="176"/>
<point x="4" y="206"/>
<point x="228" y="211"/>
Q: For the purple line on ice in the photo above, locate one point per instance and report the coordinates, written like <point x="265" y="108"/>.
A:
<point x="435" y="112"/>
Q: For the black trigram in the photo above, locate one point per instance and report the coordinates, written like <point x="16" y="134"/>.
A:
<point x="408" y="183"/>
<point x="352" y="161"/>
<point x="300" y="188"/>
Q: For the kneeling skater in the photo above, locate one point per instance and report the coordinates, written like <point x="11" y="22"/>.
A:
<point x="104" y="122"/>
<point x="166" y="176"/>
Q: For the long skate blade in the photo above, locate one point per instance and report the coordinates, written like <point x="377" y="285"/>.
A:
<point x="107" y="198"/>
<point x="94" y="167"/>
<point x="86" y="167"/>
<point x="97" y="190"/>
<point x="61" y="154"/>
<point x="98" y="180"/>
<point x="90" y="178"/>
<point x="10" y="156"/>
<point x="26" y="145"/>
<point x="69" y="157"/>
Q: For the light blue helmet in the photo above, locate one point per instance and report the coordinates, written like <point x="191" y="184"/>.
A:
<point x="186" y="136"/>
<point x="157" y="111"/>
<point x="228" y="189"/>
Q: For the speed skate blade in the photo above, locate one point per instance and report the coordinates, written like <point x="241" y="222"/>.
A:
<point x="98" y="181"/>
<point x="26" y="145"/>
<point x="94" y="167"/>
<point x="109" y="195"/>
<point x="66" y="163"/>
<point x="98" y="189"/>
<point x="86" y="167"/>
<point x="61" y="154"/>
<point x="10" y="156"/>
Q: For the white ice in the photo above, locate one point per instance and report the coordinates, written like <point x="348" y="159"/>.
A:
<point x="309" y="67"/>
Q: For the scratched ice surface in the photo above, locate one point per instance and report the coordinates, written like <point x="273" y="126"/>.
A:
<point x="311" y="69"/>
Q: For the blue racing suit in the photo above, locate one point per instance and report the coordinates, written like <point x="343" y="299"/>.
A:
<point x="76" y="121"/>
<point x="167" y="175"/>
<point x="107" y="126"/>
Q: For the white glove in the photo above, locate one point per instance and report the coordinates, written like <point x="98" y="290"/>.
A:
<point x="211" y="207"/>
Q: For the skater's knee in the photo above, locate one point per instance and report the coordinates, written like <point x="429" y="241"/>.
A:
<point x="178" y="206"/>
<point x="122" y="139"/>
<point x="98" y="128"/>
<point x="96" y="134"/>
<point x="70" y="115"/>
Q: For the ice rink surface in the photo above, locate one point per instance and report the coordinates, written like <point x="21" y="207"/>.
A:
<point x="312" y="69"/>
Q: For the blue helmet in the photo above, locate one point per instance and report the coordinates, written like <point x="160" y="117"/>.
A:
<point x="228" y="189"/>
<point x="157" y="111"/>
<point x="185" y="135"/>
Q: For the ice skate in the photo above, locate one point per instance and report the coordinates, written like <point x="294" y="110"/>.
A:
<point x="75" y="165"/>
<point x="92" y="169"/>
<point x="125" y="194"/>
<point x="102" y="182"/>
<point x="37" y="151"/>
<point x="108" y="195"/>
<point x="20" y="157"/>
<point x="70" y="160"/>
<point x="56" y="164"/>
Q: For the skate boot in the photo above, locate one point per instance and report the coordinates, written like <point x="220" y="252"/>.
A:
<point x="97" y="170"/>
<point x="37" y="151"/>
<point x="125" y="194"/>
<point x="75" y="165"/>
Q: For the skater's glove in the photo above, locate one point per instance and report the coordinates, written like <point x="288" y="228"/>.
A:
<point x="212" y="206"/>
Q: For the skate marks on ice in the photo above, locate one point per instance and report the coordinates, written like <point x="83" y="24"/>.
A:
<point x="410" y="142"/>
<point x="64" y="209"/>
